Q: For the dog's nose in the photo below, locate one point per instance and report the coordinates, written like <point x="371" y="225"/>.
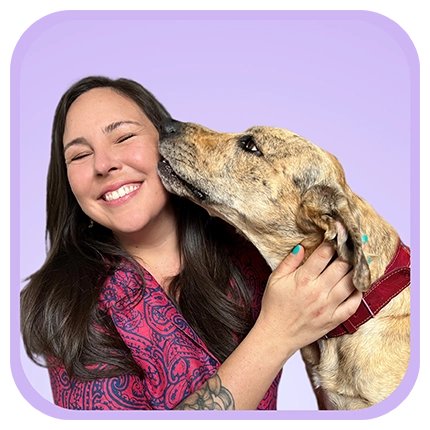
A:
<point x="170" y="126"/>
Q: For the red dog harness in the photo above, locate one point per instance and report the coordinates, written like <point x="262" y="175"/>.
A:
<point x="394" y="280"/>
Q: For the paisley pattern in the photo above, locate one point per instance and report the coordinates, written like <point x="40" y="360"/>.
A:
<point x="175" y="360"/>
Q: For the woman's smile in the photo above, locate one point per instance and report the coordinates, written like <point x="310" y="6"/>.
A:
<point x="120" y="194"/>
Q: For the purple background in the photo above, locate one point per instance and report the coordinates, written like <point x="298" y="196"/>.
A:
<point x="348" y="81"/>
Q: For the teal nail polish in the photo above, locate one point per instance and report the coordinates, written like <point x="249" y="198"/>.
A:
<point x="369" y="259"/>
<point x="296" y="249"/>
<point x="364" y="239"/>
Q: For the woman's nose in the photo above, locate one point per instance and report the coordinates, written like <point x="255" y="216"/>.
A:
<point x="105" y="161"/>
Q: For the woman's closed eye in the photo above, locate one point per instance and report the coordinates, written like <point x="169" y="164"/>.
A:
<point x="80" y="156"/>
<point x="124" y="138"/>
<point x="76" y="156"/>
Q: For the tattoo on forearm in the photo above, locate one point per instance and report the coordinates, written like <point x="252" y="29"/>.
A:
<point x="211" y="396"/>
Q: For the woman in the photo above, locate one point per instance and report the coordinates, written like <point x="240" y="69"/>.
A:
<point x="144" y="301"/>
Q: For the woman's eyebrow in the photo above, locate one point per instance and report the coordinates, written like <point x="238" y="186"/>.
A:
<point x="77" y="141"/>
<point x="111" y="127"/>
<point x="108" y="129"/>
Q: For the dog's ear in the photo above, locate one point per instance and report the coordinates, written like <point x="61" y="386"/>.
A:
<point x="327" y="210"/>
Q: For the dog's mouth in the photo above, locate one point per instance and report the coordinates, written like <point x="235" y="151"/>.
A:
<point x="175" y="183"/>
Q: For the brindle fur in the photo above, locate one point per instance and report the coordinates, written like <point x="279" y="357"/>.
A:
<point x="284" y="191"/>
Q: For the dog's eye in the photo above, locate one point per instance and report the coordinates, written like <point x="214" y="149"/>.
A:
<point x="247" y="144"/>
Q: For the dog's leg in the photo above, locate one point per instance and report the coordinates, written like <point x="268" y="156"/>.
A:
<point x="311" y="357"/>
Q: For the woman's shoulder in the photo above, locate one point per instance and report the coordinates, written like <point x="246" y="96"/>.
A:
<point x="124" y="286"/>
<point x="244" y="253"/>
<point x="246" y="257"/>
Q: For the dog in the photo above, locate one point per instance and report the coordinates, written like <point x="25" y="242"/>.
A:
<point x="278" y="189"/>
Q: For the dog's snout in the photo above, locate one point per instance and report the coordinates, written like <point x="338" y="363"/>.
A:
<point x="170" y="126"/>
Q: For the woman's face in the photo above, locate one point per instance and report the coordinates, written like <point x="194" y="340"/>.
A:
<point x="111" y="153"/>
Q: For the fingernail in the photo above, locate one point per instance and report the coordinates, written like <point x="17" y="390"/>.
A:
<point x="364" y="239"/>
<point x="369" y="259"/>
<point x="296" y="249"/>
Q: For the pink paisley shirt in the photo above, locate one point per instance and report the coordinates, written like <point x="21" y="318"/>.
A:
<point x="175" y="360"/>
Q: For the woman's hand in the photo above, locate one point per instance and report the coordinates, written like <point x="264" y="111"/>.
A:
<point x="302" y="304"/>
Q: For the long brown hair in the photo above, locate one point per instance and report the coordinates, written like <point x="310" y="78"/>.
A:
<point x="61" y="321"/>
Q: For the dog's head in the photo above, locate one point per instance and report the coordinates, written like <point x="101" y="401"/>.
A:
<point x="274" y="186"/>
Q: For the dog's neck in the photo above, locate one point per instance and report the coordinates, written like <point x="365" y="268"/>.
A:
<point x="379" y="241"/>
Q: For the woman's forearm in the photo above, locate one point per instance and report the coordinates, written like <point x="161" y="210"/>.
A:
<point x="243" y="379"/>
<point x="211" y="396"/>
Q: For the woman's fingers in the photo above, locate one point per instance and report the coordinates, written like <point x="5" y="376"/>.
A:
<point x="348" y="307"/>
<point x="317" y="261"/>
<point x="290" y="263"/>
<point x="332" y="276"/>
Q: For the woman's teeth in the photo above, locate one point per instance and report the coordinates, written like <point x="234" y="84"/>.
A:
<point x="120" y="192"/>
